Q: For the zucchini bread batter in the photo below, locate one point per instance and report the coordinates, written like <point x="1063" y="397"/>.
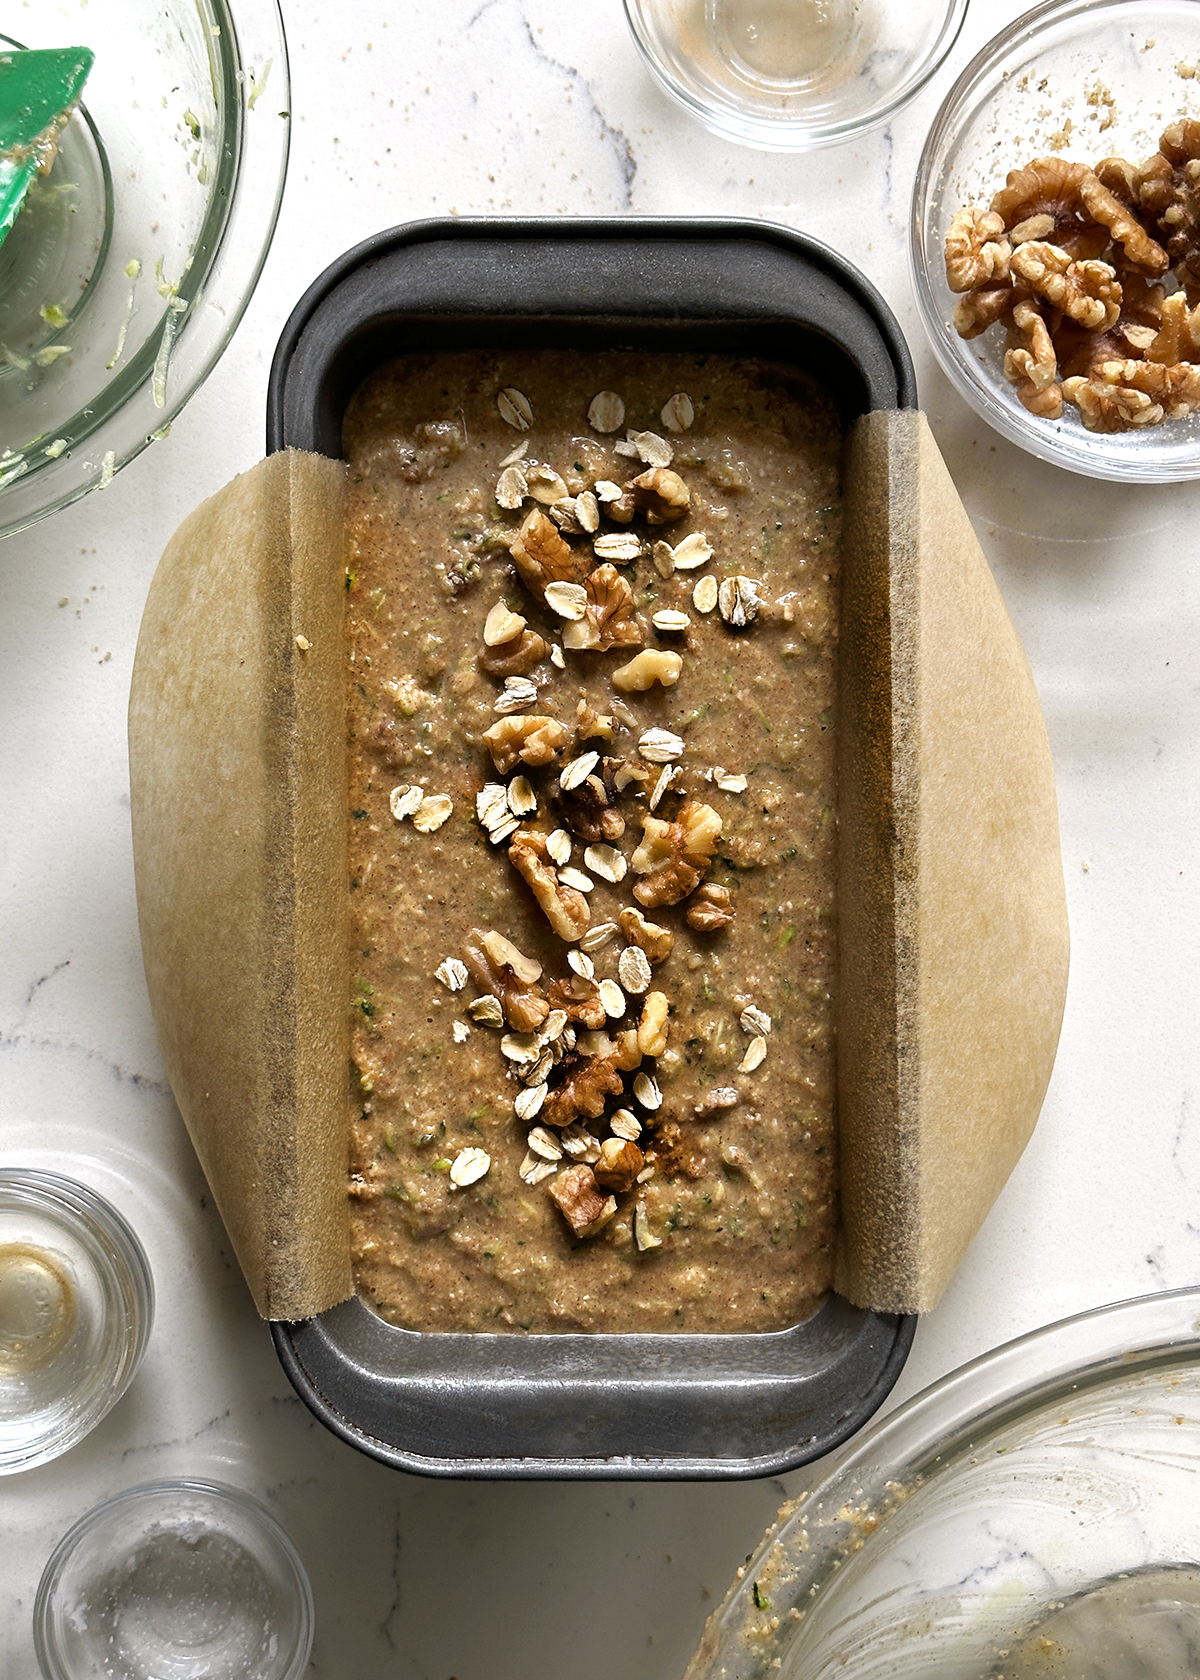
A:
<point x="592" y="625"/>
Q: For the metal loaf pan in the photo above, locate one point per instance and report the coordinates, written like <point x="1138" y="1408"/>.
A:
<point x="603" y="1406"/>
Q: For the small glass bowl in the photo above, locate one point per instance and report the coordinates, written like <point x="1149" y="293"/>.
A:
<point x="1060" y="1469"/>
<point x="130" y="264"/>
<point x="1118" y="71"/>
<point x="76" y="1306"/>
<point x="742" y="68"/>
<point x="175" y="1580"/>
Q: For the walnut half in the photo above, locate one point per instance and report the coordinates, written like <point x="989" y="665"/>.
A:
<point x="657" y="942"/>
<point x="619" y="1164"/>
<point x="566" y="908"/>
<point x="673" y="856"/>
<point x="661" y="495"/>
<point x="543" y="555"/>
<point x="525" y="738"/>
<point x="581" y="1201"/>
<point x="587" y="1081"/>
<point x="522" y="1001"/>
<point x="711" y="909"/>
<point x="608" y="619"/>
<point x="514" y="658"/>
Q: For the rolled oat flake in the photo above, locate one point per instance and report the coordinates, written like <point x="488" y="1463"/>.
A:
<point x="468" y="1166"/>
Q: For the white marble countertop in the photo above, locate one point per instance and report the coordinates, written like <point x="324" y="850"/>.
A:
<point x="488" y="106"/>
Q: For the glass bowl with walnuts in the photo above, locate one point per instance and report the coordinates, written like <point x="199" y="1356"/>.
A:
<point x="1055" y="236"/>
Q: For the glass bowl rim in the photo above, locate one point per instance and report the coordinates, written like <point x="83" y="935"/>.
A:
<point x="975" y="392"/>
<point x="148" y="1493"/>
<point x="766" y="135"/>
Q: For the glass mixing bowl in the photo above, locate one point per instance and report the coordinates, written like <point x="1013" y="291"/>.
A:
<point x="1083" y="80"/>
<point x="1056" y="1474"/>
<point x="790" y="75"/>
<point x="131" y="262"/>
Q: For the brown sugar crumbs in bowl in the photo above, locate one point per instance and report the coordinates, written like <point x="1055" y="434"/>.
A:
<point x="591" y="680"/>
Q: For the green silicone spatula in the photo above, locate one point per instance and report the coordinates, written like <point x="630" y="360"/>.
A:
<point x="38" y="89"/>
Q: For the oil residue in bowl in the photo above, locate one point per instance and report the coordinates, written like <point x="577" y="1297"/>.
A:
<point x="37" y="1308"/>
<point x="786" y="53"/>
<point x="1144" y="1625"/>
<point x="787" y="41"/>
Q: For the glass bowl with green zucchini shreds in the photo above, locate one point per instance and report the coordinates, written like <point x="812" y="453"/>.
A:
<point x="132" y="259"/>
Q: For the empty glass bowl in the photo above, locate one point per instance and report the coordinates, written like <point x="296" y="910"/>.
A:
<point x="790" y="75"/>
<point x="131" y="263"/>
<point x="76" y="1305"/>
<point x="174" y="1580"/>
<point x="1048" y="1491"/>
<point x="1082" y="80"/>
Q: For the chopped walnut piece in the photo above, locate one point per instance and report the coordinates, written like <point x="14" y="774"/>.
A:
<point x="1167" y="188"/>
<point x="661" y="495"/>
<point x="586" y="1084"/>
<point x="589" y="810"/>
<point x="627" y="1052"/>
<point x="565" y="908"/>
<point x="1110" y="408"/>
<point x="621" y="508"/>
<point x="977" y="311"/>
<point x="1120" y="177"/>
<point x="1124" y="228"/>
<point x="657" y="942"/>
<point x="609" y="619"/>
<point x="1089" y="292"/>
<point x="515" y="658"/>
<point x="711" y="909"/>
<point x="580" y="1000"/>
<point x="652" y="1028"/>
<point x="976" y="250"/>
<point x="652" y="665"/>
<point x="1178" y="336"/>
<point x="1175" y="387"/>
<point x="1033" y="227"/>
<point x="526" y="739"/>
<point x="521" y="1001"/>
<point x="1049" y="186"/>
<point x="543" y="555"/>
<point x="673" y="856"/>
<point x="591" y="724"/>
<point x="619" y="1164"/>
<point x="578" y="1198"/>
<point x="1136" y="328"/>
<point x="1035" y="360"/>
<point x="1031" y="362"/>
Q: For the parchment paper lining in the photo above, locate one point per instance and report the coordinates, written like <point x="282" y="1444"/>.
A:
<point x="952" y="932"/>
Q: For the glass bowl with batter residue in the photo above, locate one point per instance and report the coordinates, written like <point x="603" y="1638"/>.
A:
<point x="1031" y="1514"/>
